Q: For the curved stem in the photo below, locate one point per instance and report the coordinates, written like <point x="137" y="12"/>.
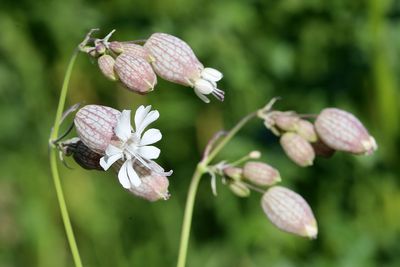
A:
<point x="228" y="137"/>
<point x="54" y="168"/>
<point x="200" y="170"/>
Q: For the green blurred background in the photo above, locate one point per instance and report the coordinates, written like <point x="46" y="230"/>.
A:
<point x="313" y="53"/>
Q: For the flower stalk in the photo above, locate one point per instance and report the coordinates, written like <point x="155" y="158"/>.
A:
<point x="194" y="184"/>
<point x="54" y="168"/>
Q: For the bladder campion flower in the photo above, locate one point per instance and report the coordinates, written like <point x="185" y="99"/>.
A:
<point x="132" y="146"/>
<point x="175" y="61"/>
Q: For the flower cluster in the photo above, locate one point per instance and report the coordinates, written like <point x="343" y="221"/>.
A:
<point x="107" y="138"/>
<point x="333" y="130"/>
<point x="286" y="209"/>
<point x="136" y="66"/>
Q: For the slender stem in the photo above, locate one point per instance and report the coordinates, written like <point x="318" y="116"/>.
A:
<point x="54" y="167"/>
<point x="187" y="218"/>
<point x="200" y="170"/>
<point x="229" y="136"/>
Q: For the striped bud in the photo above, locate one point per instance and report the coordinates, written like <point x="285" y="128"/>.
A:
<point x="136" y="51"/>
<point x="286" y="121"/>
<point x="306" y="130"/>
<point x="106" y="65"/>
<point x="288" y="211"/>
<point x="321" y="149"/>
<point x="239" y="189"/>
<point x="135" y="73"/>
<point x="260" y="173"/>
<point x="153" y="186"/>
<point x="174" y="60"/>
<point x="233" y="172"/>
<point x="116" y="47"/>
<point x="95" y="126"/>
<point x="82" y="155"/>
<point x="342" y="131"/>
<point x="297" y="149"/>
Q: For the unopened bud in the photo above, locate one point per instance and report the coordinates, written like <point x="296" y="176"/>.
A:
<point x="306" y="130"/>
<point x="106" y="65"/>
<point x="342" y="131"/>
<point x="233" y="172"/>
<point x="95" y="126"/>
<point x="297" y="149"/>
<point x="288" y="211"/>
<point x="153" y="186"/>
<point x="255" y="154"/>
<point x="136" y="51"/>
<point x="116" y="47"/>
<point x="239" y="189"/>
<point x="135" y="73"/>
<point x="260" y="173"/>
<point x="286" y="121"/>
<point x="100" y="49"/>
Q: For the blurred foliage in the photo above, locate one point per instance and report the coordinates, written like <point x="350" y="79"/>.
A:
<point x="313" y="53"/>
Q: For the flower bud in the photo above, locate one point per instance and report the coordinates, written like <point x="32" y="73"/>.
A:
<point x="260" y="173"/>
<point x="239" y="189"/>
<point x="321" y="149"/>
<point x="82" y="155"/>
<point x="95" y="126"/>
<point x="233" y="172"/>
<point x="306" y="130"/>
<point x="288" y="211"/>
<point x="286" y="121"/>
<point x="106" y="65"/>
<point x="100" y="49"/>
<point x="116" y="47"/>
<point x="175" y="61"/>
<point x="135" y="73"/>
<point x="153" y="186"/>
<point x="136" y="51"/>
<point x="342" y="131"/>
<point x="297" y="149"/>
<point x="255" y="154"/>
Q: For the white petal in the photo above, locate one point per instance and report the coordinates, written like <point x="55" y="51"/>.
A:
<point x="123" y="128"/>
<point x="149" y="152"/>
<point x="150" y="136"/>
<point x="211" y="74"/>
<point x="140" y="114"/>
<point x="201" y="96"/>
<point x="112" y="150"/>
<point x="107" y="161"/>
<point x="123" y="175"/>
<point x="203" y="86"/>
<point x="151" y="117"/>
<point x="133" y="177"/>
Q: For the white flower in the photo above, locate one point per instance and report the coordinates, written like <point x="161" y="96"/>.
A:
<point x="207" y="84"/>
<point x="133" y="145"/>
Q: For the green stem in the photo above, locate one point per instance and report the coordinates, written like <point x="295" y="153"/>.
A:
<point x="187" y="218"/>
<point x="200" y="170"/>
<point x="54" y="167"/>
